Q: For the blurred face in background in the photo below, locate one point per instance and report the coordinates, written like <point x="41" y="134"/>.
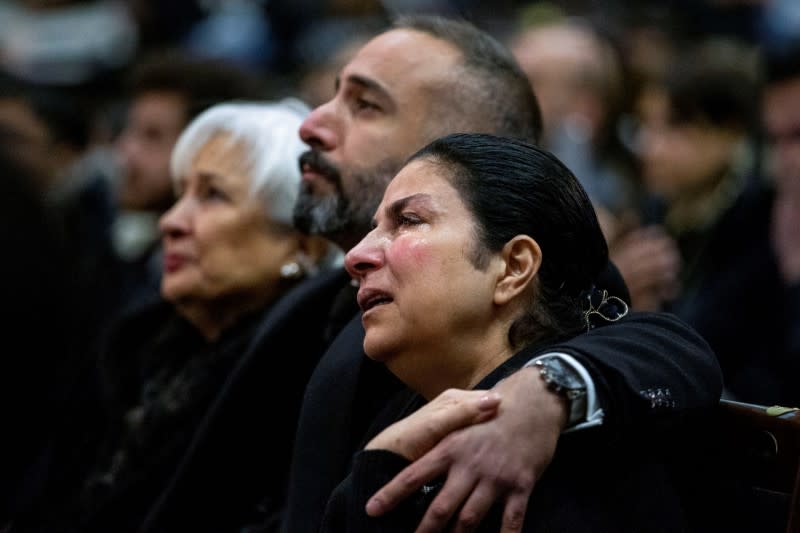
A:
<point x="155" y="120"/>
<point x="221" y="249"/>
<point x="781" y="116"/>
<point x="570" y="74"/>
<point x="679" y="158"/>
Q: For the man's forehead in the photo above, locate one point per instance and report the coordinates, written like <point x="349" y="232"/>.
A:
<point x="402" y="57"/>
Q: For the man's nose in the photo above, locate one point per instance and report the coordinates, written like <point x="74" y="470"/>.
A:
<point x="319" y="129"/>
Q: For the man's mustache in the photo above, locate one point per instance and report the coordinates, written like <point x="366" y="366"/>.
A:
<point x="317" y="163"/>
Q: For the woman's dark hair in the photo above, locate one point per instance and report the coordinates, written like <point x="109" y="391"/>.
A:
<point x="514" y="188"/>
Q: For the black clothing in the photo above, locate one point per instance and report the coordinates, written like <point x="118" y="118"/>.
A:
<point x="733" y="295"/>
<point x="235" y="470"/>
<point x="207" y="427"/>
<point x="593" y="483"/>
<point x="157" y="378"/>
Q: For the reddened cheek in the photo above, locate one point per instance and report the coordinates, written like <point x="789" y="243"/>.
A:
<point x="411" y="252"/>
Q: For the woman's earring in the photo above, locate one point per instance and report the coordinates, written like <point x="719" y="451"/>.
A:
<point x="291" y="270"/>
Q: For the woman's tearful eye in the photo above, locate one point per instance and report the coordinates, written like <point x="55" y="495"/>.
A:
<point x="408" y="219"/>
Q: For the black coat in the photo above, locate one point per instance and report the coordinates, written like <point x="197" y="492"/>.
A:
<point x="649" y="370"/>
<point x="594" y="483"/>
<point x="225" y="464"/>
<point x="235" y="470"/>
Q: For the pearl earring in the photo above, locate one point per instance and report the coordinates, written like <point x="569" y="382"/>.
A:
<point x="291" y="270"/>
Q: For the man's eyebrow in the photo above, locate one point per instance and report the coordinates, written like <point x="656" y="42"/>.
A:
<point x="366" y="83"/>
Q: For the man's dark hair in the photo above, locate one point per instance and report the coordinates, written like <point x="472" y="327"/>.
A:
<point x="203" y="82"/>
<point x="511" y="188"/>
<point x="494" y="95"/>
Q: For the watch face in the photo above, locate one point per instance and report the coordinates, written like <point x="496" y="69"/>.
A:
<point x="562" y="375"/>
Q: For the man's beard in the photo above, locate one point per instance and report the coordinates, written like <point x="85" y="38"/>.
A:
<point x="343" y="217"/>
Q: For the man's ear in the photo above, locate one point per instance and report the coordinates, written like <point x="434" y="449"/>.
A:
<point x="522" y="258"/>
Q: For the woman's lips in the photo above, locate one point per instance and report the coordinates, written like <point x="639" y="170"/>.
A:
<point x="173" y="262"/>
<point x="371" y="298"/>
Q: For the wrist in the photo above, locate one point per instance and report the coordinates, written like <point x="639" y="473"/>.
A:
<point x="554" y="406"/>
<point x="562" y="381"/>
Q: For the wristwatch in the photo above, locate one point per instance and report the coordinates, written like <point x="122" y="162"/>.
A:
<point x="565" y="381"/>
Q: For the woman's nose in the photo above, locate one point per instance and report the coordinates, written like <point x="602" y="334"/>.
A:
<point x="176" y="221"/>
<point x="364" y="257"/>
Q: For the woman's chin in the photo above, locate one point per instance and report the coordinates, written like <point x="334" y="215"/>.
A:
<point x="177" y="293"/>
<point x="377" y="349"/>
<point x="171" y="293"/>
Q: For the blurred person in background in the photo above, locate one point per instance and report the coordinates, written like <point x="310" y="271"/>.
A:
<point x="165" y="92"/>
<point x="579" y="79"/>
<point x="700" y="163"/>
<point x="230" y="254"/>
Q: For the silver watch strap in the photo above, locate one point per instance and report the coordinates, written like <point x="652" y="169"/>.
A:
<point x="593" y="412"/>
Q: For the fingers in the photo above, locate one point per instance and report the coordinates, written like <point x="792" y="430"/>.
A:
<point x="473" y="512"/>
<point x="407" y="482"/>
<point x="514" y="512"/>
<point x="414" y="435"/>
<point x="454" y="409"/>
<point x="479" y="498"/>
<point x="456" y="489"/>
<point x="497" y="461"/>
<point x="652" y="255"/>
<point x="650" y="263"/>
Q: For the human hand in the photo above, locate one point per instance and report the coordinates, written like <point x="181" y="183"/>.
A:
<point x="500" y="459"/>
<point x="417" y="433"/>
<point x="650" y="263"/>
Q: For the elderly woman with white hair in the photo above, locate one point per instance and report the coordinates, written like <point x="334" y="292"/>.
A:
<point x="230" y="253"/>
